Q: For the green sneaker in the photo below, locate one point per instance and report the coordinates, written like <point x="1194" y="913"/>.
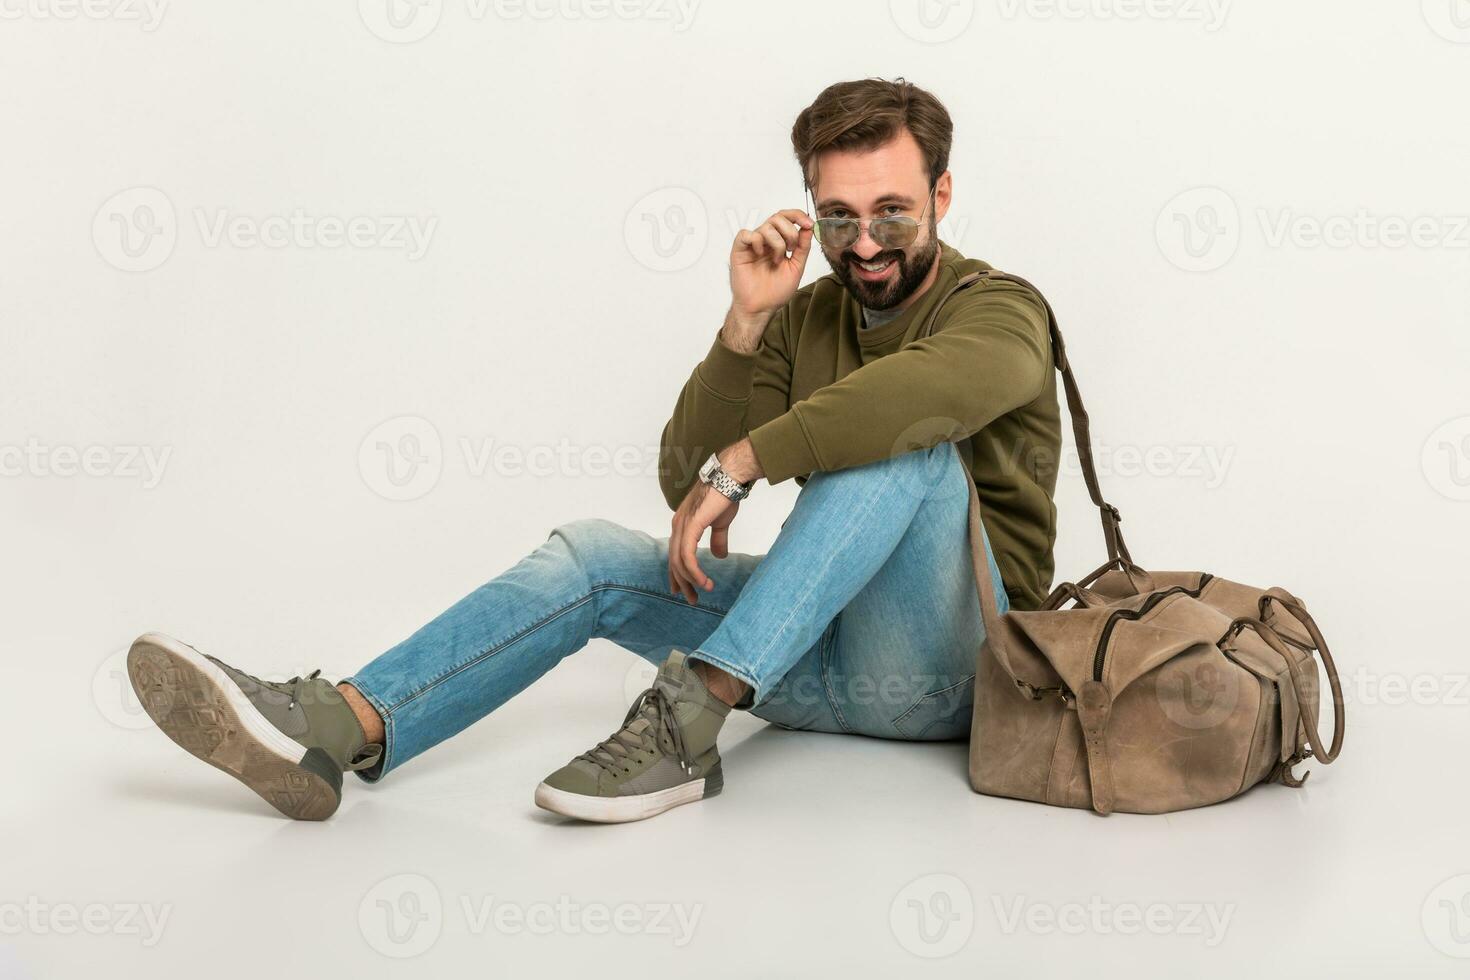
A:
<point x="290" y="742"/>
<point x="664" y="755"/>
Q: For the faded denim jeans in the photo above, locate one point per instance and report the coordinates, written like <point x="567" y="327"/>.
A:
<point x="862" y="618"/>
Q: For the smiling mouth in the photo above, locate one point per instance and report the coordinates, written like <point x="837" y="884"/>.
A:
<point x="874" y="270"/>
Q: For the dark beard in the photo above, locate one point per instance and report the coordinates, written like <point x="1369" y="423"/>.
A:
<point x="913" y="268"/>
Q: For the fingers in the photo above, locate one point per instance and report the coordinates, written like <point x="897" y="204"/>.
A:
<point x="673" y="573"/>
<point x="796" y="216"/>
<point x="803" y="246"/>
<point x="719" y="542"/>
<point x="689" y="557"/>
<point x="679" y="580"/>
<point x="790" y="225"/>
<point x="775" y="240"/>
<point x="783" y="232"/>
<point x="685" y="577"/>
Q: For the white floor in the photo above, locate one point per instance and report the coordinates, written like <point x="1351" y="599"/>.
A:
<point x="825" y="855"/>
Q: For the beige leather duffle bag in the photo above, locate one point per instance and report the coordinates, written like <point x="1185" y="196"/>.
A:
<point x="1141" y="691"/>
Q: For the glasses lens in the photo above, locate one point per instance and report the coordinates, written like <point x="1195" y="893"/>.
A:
<point x="895" y="232"/>
<point x="837" y="232"/>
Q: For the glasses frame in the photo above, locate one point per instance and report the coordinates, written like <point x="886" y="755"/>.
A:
<point x="909" y="224"/>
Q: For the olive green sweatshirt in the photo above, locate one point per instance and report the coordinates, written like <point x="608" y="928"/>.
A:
<point x="821" y="393"/>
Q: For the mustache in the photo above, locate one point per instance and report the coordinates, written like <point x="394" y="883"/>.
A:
<point x="897" y="255"/>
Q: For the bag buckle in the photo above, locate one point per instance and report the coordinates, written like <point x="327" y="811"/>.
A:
<point x="1038" y="693"/>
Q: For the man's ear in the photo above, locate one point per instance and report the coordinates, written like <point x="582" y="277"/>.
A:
<point x="943" y="192"/>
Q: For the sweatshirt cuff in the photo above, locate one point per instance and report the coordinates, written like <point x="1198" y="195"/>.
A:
<point x="727" y="373"/>
<point x="783" y="449"/>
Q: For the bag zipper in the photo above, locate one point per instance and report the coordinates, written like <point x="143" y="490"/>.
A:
<point x="1149" y="603"/>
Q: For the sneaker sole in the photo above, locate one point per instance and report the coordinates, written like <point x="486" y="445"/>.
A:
<point x="621" y="809"/>
<point x="205" y="713"/>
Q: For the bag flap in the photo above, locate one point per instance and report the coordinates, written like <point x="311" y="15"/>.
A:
<point x="1176" y="623"/>
<point x="1141" y="632"/>
<point x="1065" y="639"/>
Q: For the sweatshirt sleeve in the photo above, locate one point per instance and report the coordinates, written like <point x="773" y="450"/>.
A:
<point x="726" y="394"/>
<point x="989" y="354"/>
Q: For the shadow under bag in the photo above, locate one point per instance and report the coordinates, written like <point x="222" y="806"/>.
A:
<point x="1137" y="691"/>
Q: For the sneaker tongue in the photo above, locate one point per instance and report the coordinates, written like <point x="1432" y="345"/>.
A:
<point x="675" y="677"/>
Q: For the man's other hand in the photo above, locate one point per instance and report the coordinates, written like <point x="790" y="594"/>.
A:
<point x="703" y="507"/>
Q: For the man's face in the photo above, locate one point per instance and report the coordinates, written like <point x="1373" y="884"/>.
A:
<point x="890" y="180"/>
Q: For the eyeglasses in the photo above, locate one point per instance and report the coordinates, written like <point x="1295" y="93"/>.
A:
<point x="889" y="231"/>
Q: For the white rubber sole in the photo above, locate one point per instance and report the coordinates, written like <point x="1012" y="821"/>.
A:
<point x="196" y="704"/>
<point x="617" y="809"/>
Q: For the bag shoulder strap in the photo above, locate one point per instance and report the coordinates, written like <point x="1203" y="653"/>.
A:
<point x="1081" y="429"/>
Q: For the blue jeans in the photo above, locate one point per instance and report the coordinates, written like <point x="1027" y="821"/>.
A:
<point x="863" y="617"/>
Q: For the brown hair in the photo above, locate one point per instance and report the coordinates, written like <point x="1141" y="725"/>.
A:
<point x="863" y="115"/>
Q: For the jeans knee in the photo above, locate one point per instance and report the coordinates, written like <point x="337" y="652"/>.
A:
<point x="922" y="471"/>
<point x="595" y="547"/>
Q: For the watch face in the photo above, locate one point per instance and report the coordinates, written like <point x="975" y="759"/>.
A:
<point x="708" y="469"/>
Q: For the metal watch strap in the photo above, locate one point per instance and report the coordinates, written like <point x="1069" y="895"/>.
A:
<point x="714" y="475"/>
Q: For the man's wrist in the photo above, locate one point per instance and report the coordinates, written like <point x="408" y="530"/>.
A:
<point x="740" y="462"/>
<point x="742" y="332"/>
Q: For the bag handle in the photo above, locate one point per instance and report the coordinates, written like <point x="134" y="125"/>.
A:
<point x="1081" y="428"/>
<point x="1299" y="612"/>
<point x="1309" y="708"/>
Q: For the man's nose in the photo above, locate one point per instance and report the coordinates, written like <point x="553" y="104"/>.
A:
<point x="865" y="248"/>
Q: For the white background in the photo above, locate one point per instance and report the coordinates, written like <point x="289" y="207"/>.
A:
<point x="582" y="169"/>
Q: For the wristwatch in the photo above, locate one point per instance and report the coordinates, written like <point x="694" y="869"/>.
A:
<point x="713" y="474"/>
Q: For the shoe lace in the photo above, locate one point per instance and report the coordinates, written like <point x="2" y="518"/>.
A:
<point x="293" y="687"/>
<point x="653" y="705"/>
